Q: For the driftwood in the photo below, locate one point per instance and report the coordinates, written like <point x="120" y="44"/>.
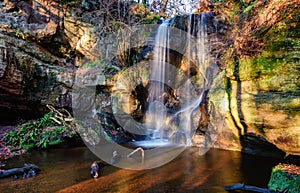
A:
<point x="138" y="149"/>
<point x="117" y="156"/>
<point x="28" y="170"/>
<point x="96" y="166"/>
<point x="61" y="118"/>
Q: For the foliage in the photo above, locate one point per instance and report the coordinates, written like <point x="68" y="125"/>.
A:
<point x="248" y="9"/>
<point x="285" y="177"/>
<point x="256" y="25"/>
<point x="38" y="133"/>
<point x="69" y="2"/>
<point x="119" y="14"/>
<point x="151" y="18"/>
<point x="222" y="1"/>
<point x="92" y="64"/>
<point x="51" y="136"/>
<point x="139" y="9"/>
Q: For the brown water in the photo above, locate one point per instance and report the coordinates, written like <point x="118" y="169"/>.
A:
<point x="67" y="170"/>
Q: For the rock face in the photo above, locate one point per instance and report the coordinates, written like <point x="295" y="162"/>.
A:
<point x="256" y="93"/>
<point x="41" y="45"/>
<point x="259" y="95"/>
<point x="32" y="69"/>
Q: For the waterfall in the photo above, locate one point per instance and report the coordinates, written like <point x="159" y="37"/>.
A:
<point x="157" y="115"/>
<point x="157" y="110"/>
<point x="196" y="51"/>
<point x="160" y="111"/>
<point x="201" y="47"/>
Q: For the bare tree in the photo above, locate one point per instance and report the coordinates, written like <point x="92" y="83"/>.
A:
<point x="168" y="8"/>
<point x="163" y="7"/>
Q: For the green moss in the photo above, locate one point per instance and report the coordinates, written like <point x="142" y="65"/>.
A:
<point x="248" y="9"/>
<point x="151" y="18"/>
<point x="92" y="64"/>
<point x="70" y="3"/>
<point x="219" y="90"/>
<point x="280" y="55"/>
<point x="265" y="64"/>
<point x="281" y="180"/>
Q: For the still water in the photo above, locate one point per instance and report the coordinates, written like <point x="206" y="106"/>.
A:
<point x="67" y="170"/>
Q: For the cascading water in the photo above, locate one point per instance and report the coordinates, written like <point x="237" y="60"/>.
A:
<point x="196" y="52"/>
<point x="156" y="110"/>
<point x="201" y="51"/>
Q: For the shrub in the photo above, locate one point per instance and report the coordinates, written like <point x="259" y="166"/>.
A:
<point x="37" y="133"/>
<point x="284" y="177"/>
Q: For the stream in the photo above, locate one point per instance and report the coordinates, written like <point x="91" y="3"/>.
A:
<point x="67" y="170"/>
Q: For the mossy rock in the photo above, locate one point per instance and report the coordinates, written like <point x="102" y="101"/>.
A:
<point x="285" y="177"/>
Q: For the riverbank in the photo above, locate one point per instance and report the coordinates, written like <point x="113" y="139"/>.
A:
<point x="67" y="170"/>
<point x="56" y="127"/>
<point x="5" y="151"/>
<point x="64" y="140"/>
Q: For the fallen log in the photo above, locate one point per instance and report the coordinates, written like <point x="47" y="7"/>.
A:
<point x="28" y="170"/>
<point x="239" y="186"/>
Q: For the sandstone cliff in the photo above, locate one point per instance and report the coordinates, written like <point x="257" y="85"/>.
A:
<point x="42" y="43"/>
<point x="256" y="93"/>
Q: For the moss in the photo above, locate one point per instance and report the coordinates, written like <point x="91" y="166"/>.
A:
<point x="269" y="70"/>
<point x="265" y="64"/>
<point x="151" y="18"/>
<point x="93" y="64"/>
<point x="70" y="3"/>
<point x="281" y="42"/>
<point x="282" y="179"/>
<point x="279" y="101"/>
<point x="218" y="92"/>
<point x="284" y="37"/>
<point x="248" y="9"/>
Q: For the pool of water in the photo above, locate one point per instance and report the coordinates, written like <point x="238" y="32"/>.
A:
<point x="67" y="170"/>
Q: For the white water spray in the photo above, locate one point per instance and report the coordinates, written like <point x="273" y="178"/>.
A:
<point x="197" y="52"/>
<point x="156" y="110"/>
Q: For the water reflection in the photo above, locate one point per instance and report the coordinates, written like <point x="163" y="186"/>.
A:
<point x="67" y="170"/>
<point x="257" y="167"/>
